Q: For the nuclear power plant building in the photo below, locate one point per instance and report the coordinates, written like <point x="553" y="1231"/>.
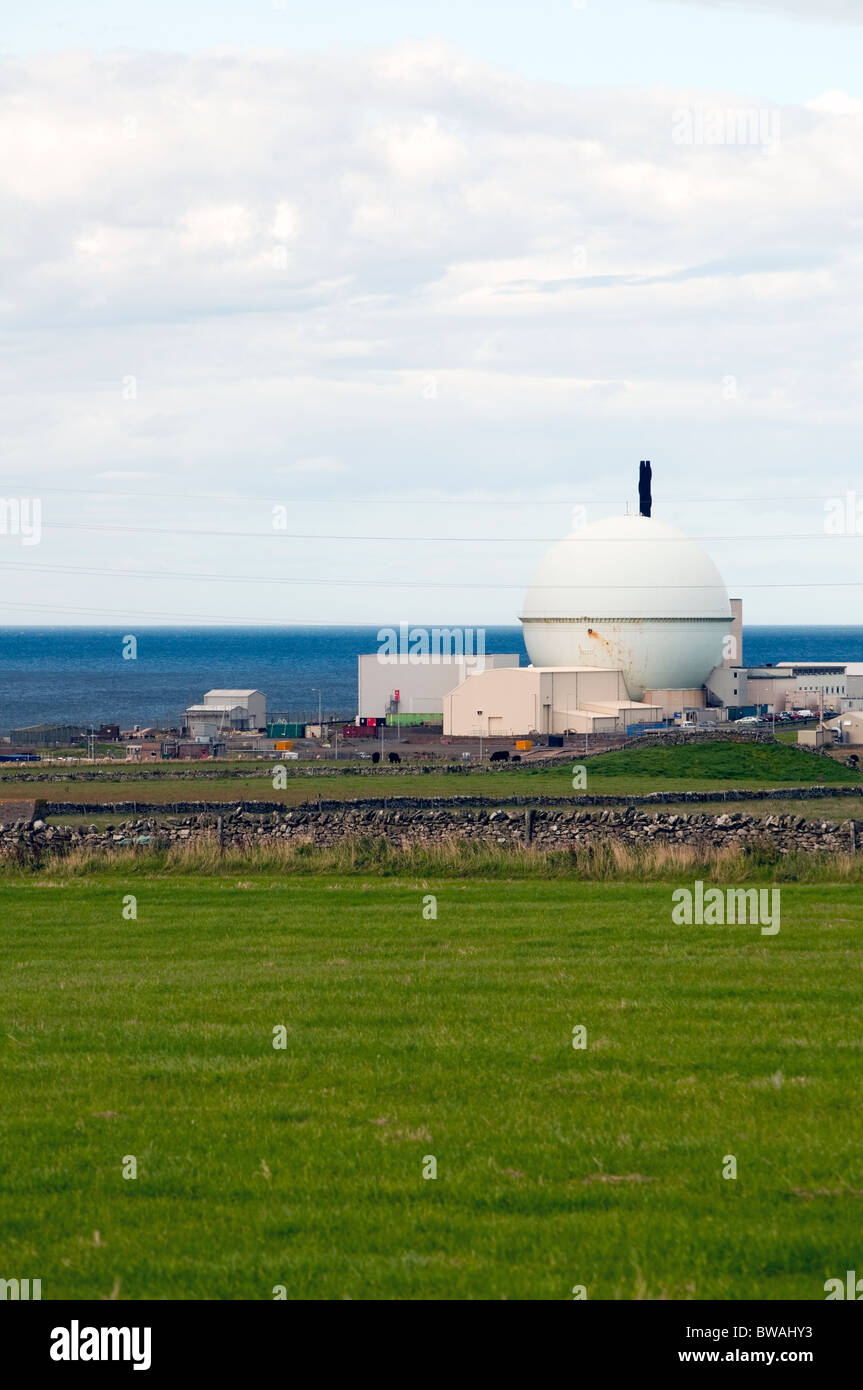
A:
<point x="627" y="623"/>
<point x="624" y="621"/>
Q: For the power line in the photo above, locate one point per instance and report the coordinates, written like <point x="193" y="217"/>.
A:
<point x="204" y="576"/>
<point x="674" y="499"/>
<point x="276" y="535"/>
<point x="243" y="621"/>
<point x="149" y="613"/>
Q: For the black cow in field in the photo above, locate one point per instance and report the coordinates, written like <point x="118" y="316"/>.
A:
<point x="516" y="757"/>
<point x="499" y="756"/>
<point x="376" y="757"/>
<point x="394" y="757"/>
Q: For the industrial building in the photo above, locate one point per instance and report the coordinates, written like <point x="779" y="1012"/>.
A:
<point x="854" y="684"/>
<point x="847" y="729"/>
<point x="545" y="700"/>
<point x="790" y="686"/>
<point x="226" y="711"/>
<point x="406" y="690"/>
<point x="252" y="702"/>
<point x="624" y="621"/>
<point x="630" y="593"/>
<point x="149" y="751"/>
<point x="825" y="684"/>
<point x="48" y="735"/>
<point x="627" y="624"/>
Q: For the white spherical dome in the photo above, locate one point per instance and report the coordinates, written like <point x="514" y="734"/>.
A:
<point x="633" y="594"/>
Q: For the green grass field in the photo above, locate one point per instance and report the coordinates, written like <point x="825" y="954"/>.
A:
<point x="698" y="767"/>
<point x="409" y="1038"/>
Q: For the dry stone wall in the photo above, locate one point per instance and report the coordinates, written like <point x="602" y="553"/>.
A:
<point x="135" y="809"/>
<point x="544" y="827"/>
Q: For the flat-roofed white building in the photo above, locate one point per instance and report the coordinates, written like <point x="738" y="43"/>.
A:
<point x="815" y="683"/>
<point x="728" y="686"/>
<point x="400" y="684"/>
<point x="543" y="700"/>
<point x="252" y="702"/>
<point x="854" y="680"/>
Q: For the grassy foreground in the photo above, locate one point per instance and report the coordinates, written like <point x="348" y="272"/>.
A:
<point x="408" y="1039"/>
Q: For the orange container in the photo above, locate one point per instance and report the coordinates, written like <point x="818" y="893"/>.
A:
<point x="524" y="745"/>
<point x="284" y="745"/>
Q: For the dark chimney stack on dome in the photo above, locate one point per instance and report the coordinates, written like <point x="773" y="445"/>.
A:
<point x="645" y="501"/>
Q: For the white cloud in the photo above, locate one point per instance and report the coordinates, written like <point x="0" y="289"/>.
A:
<point x="416" y="270"/>
<point x="114" y="474"/>
<point x="847" y="11"/>
<point x="312" y="466"/>
<point x="836" y="103"/>
<point x="284" y="224"/>
<point x="208" y="228"/>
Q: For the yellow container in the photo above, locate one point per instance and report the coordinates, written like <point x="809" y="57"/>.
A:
<point x="524" y="745"/>
<point x="284" y="745"/>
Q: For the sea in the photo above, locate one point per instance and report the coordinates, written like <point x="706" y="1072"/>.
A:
<point x="80" y="676"/>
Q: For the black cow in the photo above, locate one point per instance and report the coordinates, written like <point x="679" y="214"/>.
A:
<point x="376" y="757"/>
<point x="500" y="756"/>
<point x="394" y="757"/>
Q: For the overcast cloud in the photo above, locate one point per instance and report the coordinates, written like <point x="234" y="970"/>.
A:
<point x="848" y="11"/>
<point x="408" y="273"/>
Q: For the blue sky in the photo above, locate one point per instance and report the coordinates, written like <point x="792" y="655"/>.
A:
<point x="336" y="314"/>
<point x="780" y="51"/>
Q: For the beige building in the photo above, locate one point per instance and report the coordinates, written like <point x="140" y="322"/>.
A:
<point x="787" y="686"/>
<point x="814" y="738"/>
<point x="815" y="684"/>
<point x="143" y="752"/>
<point x="673" y="702"/>
<point x="510" y="702"/>
<point x="848" y="728"/>
<point x="796" y="686"/>
<point x="734" y="640"/>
